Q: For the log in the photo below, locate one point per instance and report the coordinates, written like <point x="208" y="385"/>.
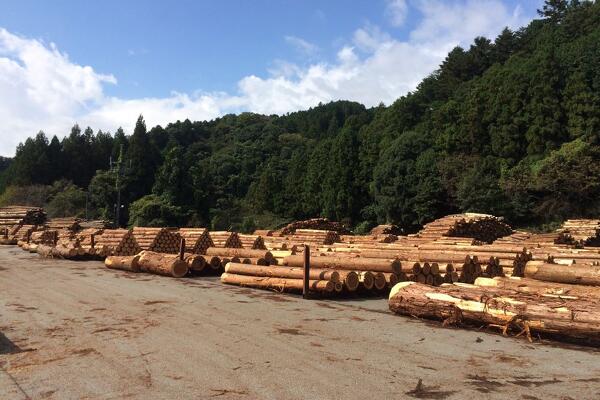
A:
<point x="162" y="264"/>
<point x="355" y="264"/>
<point x="281" y="284"/>
<point x="241" y="253"/>
<point x="510" y="310"/>
<point x="541" y="288"/>
<point x="350" y="280"/>
<point x="579" y="274"/>
<point x="281" y="272"/>
<point x="124" y="263"/>
<point x="43" y="250"/>
<point x="195" y="262"/>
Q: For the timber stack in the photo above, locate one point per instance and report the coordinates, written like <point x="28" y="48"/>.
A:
<point x="21" y="215"/>
<point x="160" y="240"/>
<point x="281" y="279"/>
<point x="374" y="275"/>
<point x="585" y="232"/>
<point x="69" y="223"/>
<point x="197" y="240"/>
<point x="483" y="227"/>
<point x="226" y="239"/>
<point x="252" y="242"/>
<point x="321" y="224"/>
<point x="117" y="242"/>
<point x="387" y="229"/>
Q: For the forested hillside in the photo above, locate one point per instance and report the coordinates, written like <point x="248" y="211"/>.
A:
<point x="509" y="126"/>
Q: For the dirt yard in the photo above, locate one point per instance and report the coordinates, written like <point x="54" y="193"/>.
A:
<point x="75" y="330"/>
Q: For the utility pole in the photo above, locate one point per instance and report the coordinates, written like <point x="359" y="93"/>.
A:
<point x="119" y="168"/>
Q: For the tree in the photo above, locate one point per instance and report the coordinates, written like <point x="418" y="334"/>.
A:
<point x="143" y="160"/>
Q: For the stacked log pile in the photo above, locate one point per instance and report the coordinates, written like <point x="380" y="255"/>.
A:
<point x="95" y="224"/>
<point x="47" y="237"/>
<point x="252" y="242"/>
<point x="117" y="242"/>
<point x="510" y="311"/>
<point x="373" y="274"/>
<point x="585" y="231"/>
<point x="537" y="239"/>
<point x="314" y="237"/>
<point x="483" y="227"/>
<point x="21" y="215"/>
<point x="160" y="240"/>
<point x="70" y="223"/>
<point x="279" y="278"/>
<point x="264" y="232"/>
<point x="322" y="224"/>
<point x="373" y="238"/>
<point x="226" y="239"/>
<point x="387" y="229"/>
<point x="197" y="240"/>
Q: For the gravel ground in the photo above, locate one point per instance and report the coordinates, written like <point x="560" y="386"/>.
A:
<point x="75" y="330"/>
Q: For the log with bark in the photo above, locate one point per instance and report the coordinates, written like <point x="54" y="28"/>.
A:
<point x="281" y="272"/>
<point x="346" y="263"/>
<point x="509" y="310"/>
<point x="579" y="274"/>
<point x="279" y="284"/>
<point x="124" y="263"/>
<point x="162" y="264"/>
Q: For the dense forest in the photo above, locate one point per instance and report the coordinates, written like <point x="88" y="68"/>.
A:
<point x="509" y="126"/>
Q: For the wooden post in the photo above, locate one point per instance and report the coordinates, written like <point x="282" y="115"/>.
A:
<point x="305" y="280"/>
<point x="181" y="248"/>
<point x="93" y="240"/>
<point x="55" y="238"/>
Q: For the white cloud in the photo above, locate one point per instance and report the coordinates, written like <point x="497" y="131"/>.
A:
<point x="397" y="11"/>
<point x="304" y="47"/>
<point x="40" y="88"/>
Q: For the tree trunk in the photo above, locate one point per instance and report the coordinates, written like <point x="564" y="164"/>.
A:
<point x="578" y="319"/>
<point x="162" y="264"/>
<point x="124" y="263"/>
<point x="347" y="263"/>
<point x="282" y="272"/>
<point x="580" y="274"/>
<point x="282" y="284"/>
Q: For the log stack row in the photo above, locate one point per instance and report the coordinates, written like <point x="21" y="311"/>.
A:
<point x="118" y="242"/>
<point x="21" y="215"/>
<point x="315" y="224"/>
<point x="70" y="223"/>
<point x="255" y="242"/>
<point x="585" y="232"/>
<point x="226" y="239"/>
<point x="160" y="240"/>
<point x="483" y="227"/>
<point x="197" y="240"/>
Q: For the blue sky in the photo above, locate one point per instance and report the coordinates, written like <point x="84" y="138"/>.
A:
<point x="102" y="63"/>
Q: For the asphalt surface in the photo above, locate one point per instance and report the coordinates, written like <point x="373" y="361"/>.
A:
<point x="76" y="330"/>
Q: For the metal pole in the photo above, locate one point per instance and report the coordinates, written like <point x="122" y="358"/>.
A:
<point x="181" y="248"/>
<point x="306" y="279"/>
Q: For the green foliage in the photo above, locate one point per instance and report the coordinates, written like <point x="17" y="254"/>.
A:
<point x="67" y="200"/>
<point x="32" y="195"/>
<point x="154" y="210"/>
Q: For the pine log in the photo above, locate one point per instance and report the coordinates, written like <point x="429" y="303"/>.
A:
<point x="282" y="284"/>
<point x="355" y="264"/>
<point x="125" y="263"/>
<point x="508" y="309"/>
<point x="552" y="289"/>
<point x="282" y="272"/>
<point x="162" y="264"/>
<point x="579" y="274"/>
